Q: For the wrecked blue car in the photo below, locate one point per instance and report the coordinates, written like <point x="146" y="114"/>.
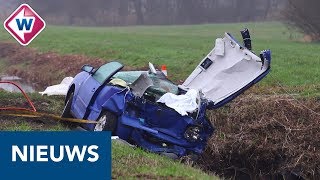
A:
<point x="146" y="109"/>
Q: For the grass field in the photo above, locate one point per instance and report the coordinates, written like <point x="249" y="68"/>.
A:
<point x="136" y="163"/>
<point x="295" y="63"/>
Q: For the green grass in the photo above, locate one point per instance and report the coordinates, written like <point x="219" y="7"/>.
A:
<point x="43" y="104"/>
<point x="23" y="126"/>
<point x="138" y="164"/>
<point x="2" y="64"/>
<point x="182" y="47"/>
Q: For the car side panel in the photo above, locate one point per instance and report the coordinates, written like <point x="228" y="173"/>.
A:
<point x="85" y="94"/>
<point x="97" y="106"/>
<point x="90" y="86"/>
<point x="77" y="82"/>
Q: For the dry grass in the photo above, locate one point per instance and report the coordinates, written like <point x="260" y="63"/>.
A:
<point x="265" y="136"/>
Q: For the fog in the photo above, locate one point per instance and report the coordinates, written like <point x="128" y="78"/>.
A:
<point x="148" y="12"/>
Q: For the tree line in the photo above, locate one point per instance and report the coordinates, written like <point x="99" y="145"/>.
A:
<point x="305" y="16"/>
<point x="153" y="12"/>
<point x="299" y="14"/>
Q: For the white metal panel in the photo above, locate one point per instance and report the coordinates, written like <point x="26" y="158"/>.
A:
<point x="228" y="73"/>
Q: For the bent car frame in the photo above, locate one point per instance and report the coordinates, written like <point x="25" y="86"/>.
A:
<point x="127" y="102"/>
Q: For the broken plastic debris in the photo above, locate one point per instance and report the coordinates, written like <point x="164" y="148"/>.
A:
<point x="59" y="89"/>
<point x="114" y="137"/>
<point x="181" y="103"/>
<point x="152" y="68"/>
<point x="227" y="74"/>
<point x="219" y="47"/>
<point x="118" y="82"/>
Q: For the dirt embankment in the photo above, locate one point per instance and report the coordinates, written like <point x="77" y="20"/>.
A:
<point x="43" y="69"/>
<point x="265" y="137"/>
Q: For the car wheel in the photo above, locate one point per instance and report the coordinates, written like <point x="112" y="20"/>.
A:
<point x="107" y="121"/>
<point x="67" y="114"/>
<point x="67" y="108"/>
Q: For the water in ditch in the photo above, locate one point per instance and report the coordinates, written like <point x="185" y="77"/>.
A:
<point x="27" y="87"/>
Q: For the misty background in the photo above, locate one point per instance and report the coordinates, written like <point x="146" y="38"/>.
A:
<point x="148" y="12"/>
<point x="300" y="15"/>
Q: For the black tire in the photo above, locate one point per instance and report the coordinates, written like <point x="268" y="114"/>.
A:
<point x="107" y="121"/>
<point x="66" y="113"/>
<point x="67" y="108"/>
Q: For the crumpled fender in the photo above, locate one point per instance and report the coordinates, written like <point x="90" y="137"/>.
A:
<point x="117" y="102"/>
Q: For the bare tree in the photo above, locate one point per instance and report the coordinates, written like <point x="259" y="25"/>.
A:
<point x="130" y="12"/>
<point x="305" y="16"/>
<point x="138" y="8"/>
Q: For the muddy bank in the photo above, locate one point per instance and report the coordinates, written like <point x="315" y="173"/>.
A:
<point x="41" y="69"/>
<point x="265" y="137"/>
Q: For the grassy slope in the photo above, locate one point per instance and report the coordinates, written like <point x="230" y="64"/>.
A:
<point x="182" y="47"/>
<point x="44" y="104"/>
<point x="128" y="162"/>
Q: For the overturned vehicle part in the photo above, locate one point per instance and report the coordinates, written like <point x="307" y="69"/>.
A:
<point x="143" y="107"/>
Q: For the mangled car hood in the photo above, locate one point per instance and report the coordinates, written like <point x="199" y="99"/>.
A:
<point x="228" y="69"/>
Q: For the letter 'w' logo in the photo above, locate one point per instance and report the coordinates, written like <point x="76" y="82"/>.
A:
<point x="24" y="24"/>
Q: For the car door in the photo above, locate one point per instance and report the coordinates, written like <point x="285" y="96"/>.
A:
<point x="227" y="71"/>
<point x="91" y="87"/>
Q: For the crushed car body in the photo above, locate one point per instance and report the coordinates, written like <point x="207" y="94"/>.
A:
<point x="146" y="109"/>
